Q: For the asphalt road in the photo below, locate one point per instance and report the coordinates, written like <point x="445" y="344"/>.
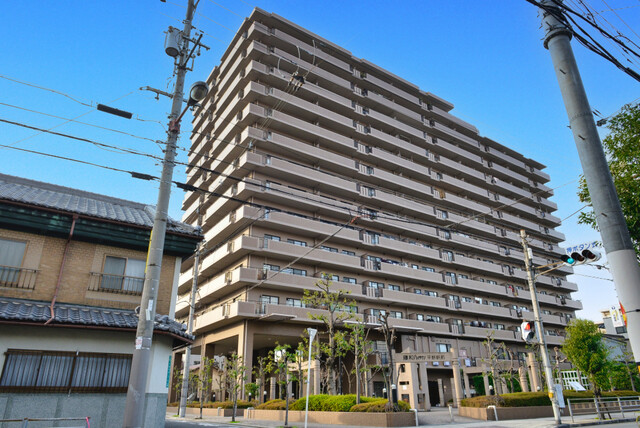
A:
<point x="193" y="424"/>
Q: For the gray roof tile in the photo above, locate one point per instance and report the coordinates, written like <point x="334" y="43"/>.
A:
<point x="76" y="201"/>
<point x="39" y="312"/>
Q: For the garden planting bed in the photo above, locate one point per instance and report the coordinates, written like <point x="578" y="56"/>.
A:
<point x="399" y="419"/>
<point x="209" y="411"/>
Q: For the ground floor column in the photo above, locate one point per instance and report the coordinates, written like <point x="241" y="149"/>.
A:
<point x="533" y="372"/>
<point x="467" y="389"/>
<point x="441" y="392"/>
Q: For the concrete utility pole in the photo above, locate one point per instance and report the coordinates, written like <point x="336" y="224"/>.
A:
<point x="613" y="227"/>
<point x="192" y="308"/>
<point x="135" y="406"/>
<point x="539" y="328"/>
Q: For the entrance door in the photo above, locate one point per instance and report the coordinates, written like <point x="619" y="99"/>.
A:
<point x="434" y="394"/>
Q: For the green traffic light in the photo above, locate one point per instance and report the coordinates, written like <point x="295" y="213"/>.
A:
<point x="570" y="261"/>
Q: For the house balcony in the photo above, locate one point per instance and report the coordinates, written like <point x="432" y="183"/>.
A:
<point x="18" y="277"/>
<point x="118" y="284"/>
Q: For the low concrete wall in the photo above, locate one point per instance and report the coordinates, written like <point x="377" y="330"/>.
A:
<point x="105" y="410"/>
<point x="208" y="411"/>
<point x="401" y="419"/>
<point x="507" y="413"/>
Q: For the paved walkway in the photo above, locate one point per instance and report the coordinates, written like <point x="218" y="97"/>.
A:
<point x="436" y="417"/>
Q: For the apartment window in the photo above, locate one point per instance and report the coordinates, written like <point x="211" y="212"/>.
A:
<point x="374" y="284"/>
<point x="369" y="170"/>
<point x="331" y="277"/>
<point x="467" y="299"/>
<point x="463" y="276"/>
<point x="123" y="274"/>
<point x="268" y="237"/>
<point x="497" y="304"/>
<point x="329" y="249"/>
<point x="442" y="347"/>
<point x="433" y="318"/>
<point x="56" y="371"/>
<point x="267" y="267"/>
<point x="394" y="287"/>
<point x="395" y="314"/>
<point x="430" y="293"/>
<point x="442" y="214"/>
<point x="11" y="255"/>
<point x="297" y="242"/>
<point x="447" y="255"/>
<point x="417" y="291"/>
<point x="428" y="269"/>
<point x="348" y="253"/>
<point x="419" y="317"/>
<point x="499" y="326"/>
<point x="546" y="312"/>
<point x="269" y="300"/>
<point x="349" y="280"/>
<point x="415" y="266"/>
<point x="295" y="302"/>
<point x="450" y="278"/>
<point x="445" y="234"/>
<point x="492" y="282"/>
<point x="295" y="271"/>
<point x="438" y="176"/>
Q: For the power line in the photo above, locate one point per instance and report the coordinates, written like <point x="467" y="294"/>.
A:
<point x="228" y="10"/>
<point x="77" y="121"/>
<point x="33" y="85"/>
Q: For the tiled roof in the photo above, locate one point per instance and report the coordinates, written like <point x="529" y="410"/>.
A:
<point x="76" y="201"/>
<point x="40" y="312"/>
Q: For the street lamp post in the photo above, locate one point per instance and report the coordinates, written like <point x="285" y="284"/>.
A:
<point x="312" y="333"/>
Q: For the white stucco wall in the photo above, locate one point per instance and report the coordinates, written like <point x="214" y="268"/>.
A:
<point x="87" y="340"/>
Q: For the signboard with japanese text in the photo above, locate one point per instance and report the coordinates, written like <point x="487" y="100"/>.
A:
<point x="423" y="357"/>
<point x="586" y="246"/>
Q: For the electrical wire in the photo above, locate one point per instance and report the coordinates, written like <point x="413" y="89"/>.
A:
<point x="228" y="10"/>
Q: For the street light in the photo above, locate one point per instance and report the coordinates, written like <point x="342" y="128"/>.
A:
<point x="197" y="93"/>
<point x="264" y="400"/>
<point x="312" y="333"/>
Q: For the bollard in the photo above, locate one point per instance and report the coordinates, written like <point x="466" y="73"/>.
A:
<point x="416" y="413"/>
<point x="495" y="411"/>
<point x="451" y="412"/>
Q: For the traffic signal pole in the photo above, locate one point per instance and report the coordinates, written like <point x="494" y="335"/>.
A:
<point x="548" y="374"/>
<point x="606" y="206"/>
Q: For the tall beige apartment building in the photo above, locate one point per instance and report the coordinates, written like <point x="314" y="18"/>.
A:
<point x="321" y="163"/>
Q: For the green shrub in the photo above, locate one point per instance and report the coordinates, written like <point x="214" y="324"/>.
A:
<point x="315" y="402"/>
<point x="378" y="405"/>
<point x="276" y="404"/>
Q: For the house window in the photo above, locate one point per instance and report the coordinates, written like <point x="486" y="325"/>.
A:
<point x="53" y="371"/>
<point x="11" y="255"/>
<point x="123" y="275"/>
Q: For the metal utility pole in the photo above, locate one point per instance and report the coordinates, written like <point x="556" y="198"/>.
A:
<point x="539" y="328"/>
<point x="610" y="219"/>
<point x="135" y="405"/>
<point x="192" y="307"/>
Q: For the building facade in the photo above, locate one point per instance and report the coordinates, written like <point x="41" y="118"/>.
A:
<point x="318" y="165"/>
<point x="71" y="275"/>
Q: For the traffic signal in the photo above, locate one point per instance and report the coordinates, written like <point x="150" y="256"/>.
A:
<point x="528" y="330"/>
<point x="576" y="258"/>
<point x="591" y="256"/>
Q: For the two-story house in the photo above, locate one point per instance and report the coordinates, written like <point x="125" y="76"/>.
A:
<point x="71" y="275"/>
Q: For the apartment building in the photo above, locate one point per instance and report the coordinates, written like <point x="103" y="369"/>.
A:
<point x="319" y="163"/>
<point x="71" y="275"/>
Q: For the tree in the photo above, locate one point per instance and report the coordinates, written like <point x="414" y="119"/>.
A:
<point x="281" y="357"/>
<point x="337" y="309"/>
<point x="586" y="350"/>
<point x="260" y="372"/>
<point x="389" y="334"/>
<point x="204" y="379"/>
<point x="622" y="147"/>
<point x="501" y="364"/>
<point x="235" y="376"/>
<point x="362" y="349"/>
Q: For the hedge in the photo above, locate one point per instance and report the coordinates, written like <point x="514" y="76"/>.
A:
<point x="527" y="399"/>
<point x="334" y="403"/>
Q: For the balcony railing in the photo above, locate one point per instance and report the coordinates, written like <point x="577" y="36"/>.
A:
<point x="16" y="277"/>
<point x="120" y="284"/>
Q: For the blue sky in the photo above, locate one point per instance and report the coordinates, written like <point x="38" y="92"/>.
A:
<point x="485" y="57"/>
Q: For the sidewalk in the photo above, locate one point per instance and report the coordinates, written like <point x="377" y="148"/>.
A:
<point x="437" y="417"/>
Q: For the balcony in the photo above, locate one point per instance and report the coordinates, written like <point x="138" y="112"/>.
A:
<point x="119" y="284"/>
<point x="17" y="277"/>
